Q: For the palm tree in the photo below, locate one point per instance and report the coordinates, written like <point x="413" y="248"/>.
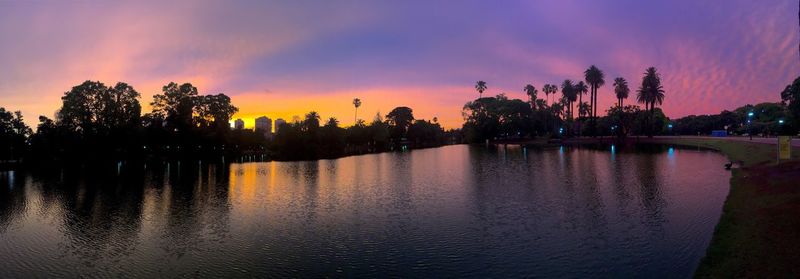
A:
<point x="584" y="108"/>
<point x="553" y="89"/>
<point x="568" y="92"/>
<point x="621" y="90"/>
<point x="311" y="122"/>
<point x="595" y="77"/>
<point x="480" y="86"/>
<point x="580" y="89"/>
<point x="546" y="91"/>
<point x="650" y="93"/>
<point x="531" y="92"/>
<point x="356" y="103"/>
<point x="558" y="109"/>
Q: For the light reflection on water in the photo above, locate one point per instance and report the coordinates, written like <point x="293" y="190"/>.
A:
<point x="452" y="211"/>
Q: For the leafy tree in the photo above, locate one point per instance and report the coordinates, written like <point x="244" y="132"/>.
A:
<point x="91" y="108"/>
<point x="425" y="134"/>
<point x="623" y="119"/>
<point x="790" y="97"/>
<point x="13" y="135"/>
<point x="177" y="104"/>
<point x="214" y="111"/>
<point x="399" y="119"/>
<point x="497" y="117"/>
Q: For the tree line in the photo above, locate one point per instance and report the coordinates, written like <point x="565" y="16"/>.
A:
<point x="501" y="118"/>
<point x="96" y="121"/>
<point x="498" y="117"/>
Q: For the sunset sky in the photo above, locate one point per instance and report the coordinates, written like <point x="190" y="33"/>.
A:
<point x="286" y="58"/>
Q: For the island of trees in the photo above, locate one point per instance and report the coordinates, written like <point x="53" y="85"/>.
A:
<point x="96" y="121"/>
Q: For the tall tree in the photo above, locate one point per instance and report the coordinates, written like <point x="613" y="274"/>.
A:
<point x="399" y="119"/>
<point x="91" y="108"/>
<point x="568" y="93"/>
<point x="581" y="89"/>
<point x="584" y="108"/>
<point x="650" y="93"/>
<point x="215" y="110"/>
<point x="790" y="97"/>
<point x="530" y="90"/>
<point x="356" y="103"/>
<point x="595" y="78"/>
<point x="480" y="86"/>
<point x="176" y="104"/>
<point x="621" y="90"/>
<point x="13" y="133"/>
<point x="548" y="89"/>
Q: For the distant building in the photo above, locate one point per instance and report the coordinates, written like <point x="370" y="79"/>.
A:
<point x="278" y="123"/>
<point x="264" y="125"/>
<point x="238" y="124"/>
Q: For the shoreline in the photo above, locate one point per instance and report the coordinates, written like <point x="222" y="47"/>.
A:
<point x="758" y="229"/>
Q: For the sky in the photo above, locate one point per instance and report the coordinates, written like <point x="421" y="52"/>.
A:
<point x="285" y="58"/>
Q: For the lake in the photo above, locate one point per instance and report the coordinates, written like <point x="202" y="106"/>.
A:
<point x="454" y="211"/>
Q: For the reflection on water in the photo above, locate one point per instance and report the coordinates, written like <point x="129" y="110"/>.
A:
<point x="451" y="211"/>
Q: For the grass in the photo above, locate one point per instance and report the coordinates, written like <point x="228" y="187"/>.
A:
<point x="758" y="234"/>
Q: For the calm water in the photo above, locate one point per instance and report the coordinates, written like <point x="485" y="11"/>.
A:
<point x="453" y="211"/>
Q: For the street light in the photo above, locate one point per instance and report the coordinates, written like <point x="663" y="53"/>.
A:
<point x="780" y="121"/>
<point x="749" y="125"/>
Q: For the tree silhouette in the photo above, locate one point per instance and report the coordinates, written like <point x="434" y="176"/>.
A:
<point x="621" y="90"/>
<point x="13" y="133"/>
<point x="480" y="86"/>
<point x="214" y="111"/>
<point x="650" y="93"/>
<point x="356" y="103"/>
<point x="595" y="77"/>
<point x="568" y="93"/>
<point x="399" y="119"/>
<point x="584" y="108"/>
<point x="549" y="89"/>
<point x="530" y="90"/>
<point x="176" y="104"/>
<point x="581" y="89"/>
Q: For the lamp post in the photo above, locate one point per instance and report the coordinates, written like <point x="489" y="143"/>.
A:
<point x="749" y="124"/>
<point x="669" y="126"/>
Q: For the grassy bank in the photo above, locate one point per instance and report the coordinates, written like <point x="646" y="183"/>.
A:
<point x="758" y="234"/>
